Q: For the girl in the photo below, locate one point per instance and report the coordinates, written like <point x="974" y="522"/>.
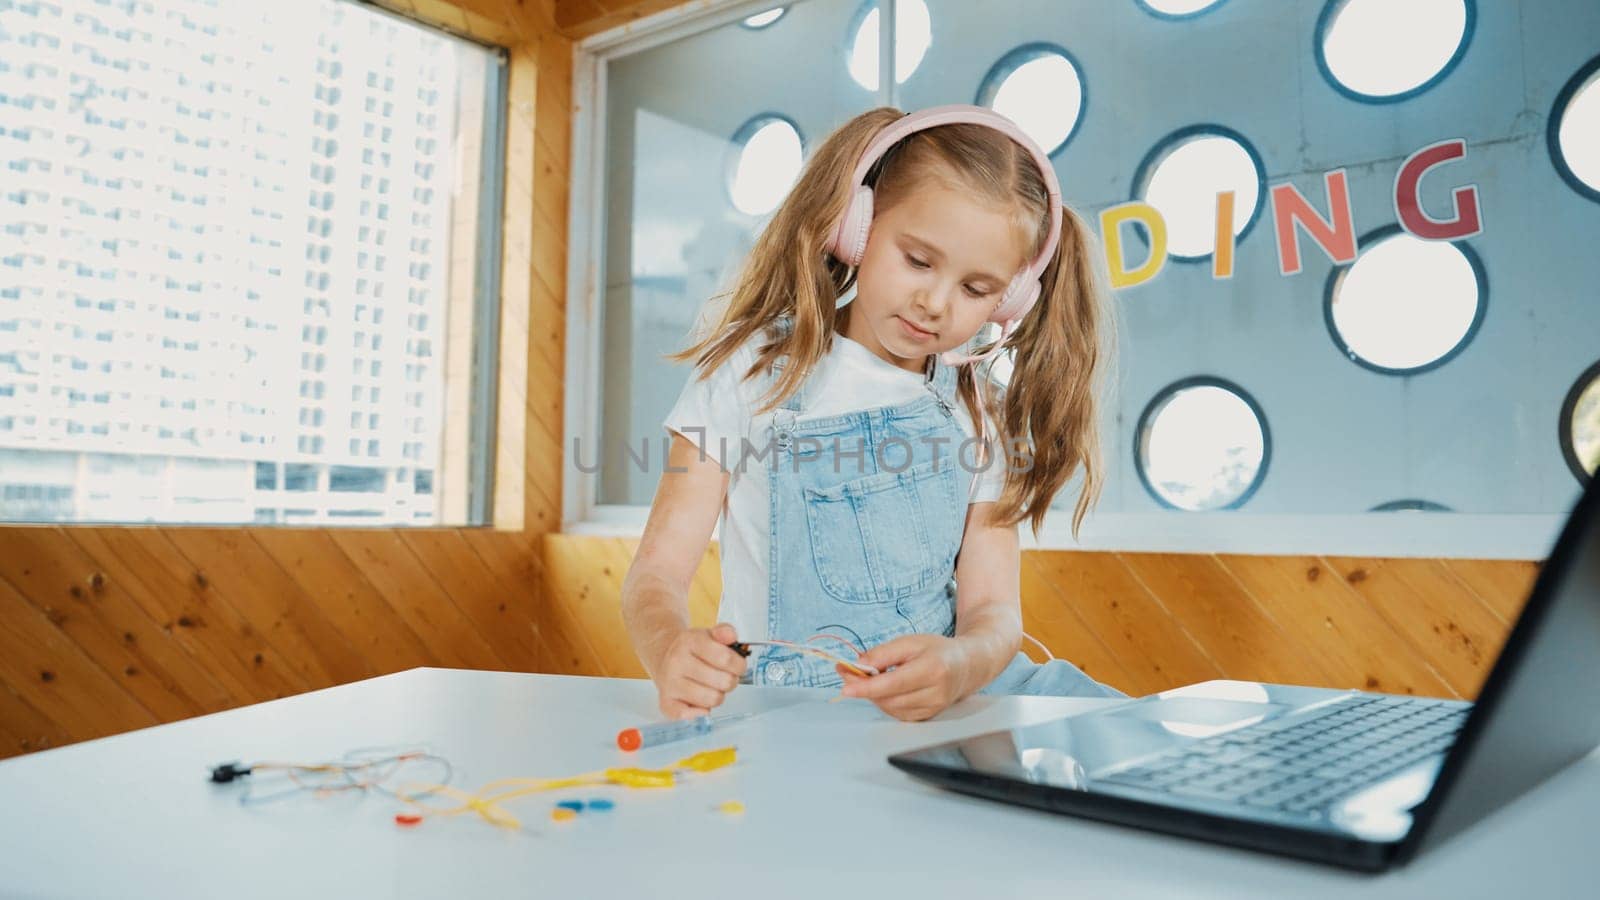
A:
<point x="839" y="442"/>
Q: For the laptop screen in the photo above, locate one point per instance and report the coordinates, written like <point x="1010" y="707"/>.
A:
<point x="1537" y="711"/>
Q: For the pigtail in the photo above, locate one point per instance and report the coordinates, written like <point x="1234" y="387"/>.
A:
<point x="1062" y="351"/>
<point x="789" y="271"/>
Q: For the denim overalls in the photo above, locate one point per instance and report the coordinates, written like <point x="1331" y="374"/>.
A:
<point x="867" y="514"/>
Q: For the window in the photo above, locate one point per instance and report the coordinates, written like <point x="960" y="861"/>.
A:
<point x="356" y="479"/>
<point x="266" y="476"/>
<point x="217" y="238"/>
<point x="1410" y="505"/>
<point x="1202" y="445"/>
<point x="913" y="35"/>
<point x="1181" y="177"/>
<point x="299" y="477"/>
<point x="1580" y="425"/>
<point x="762" y="20"/>
<point x="1380" y="51"/>
<point x="1039" y="87"/>
<point x="1405" y="305"/>
<point x="1574" y="130"/>
<point x="765" y="162"/>
<point x="1179" y="9"/>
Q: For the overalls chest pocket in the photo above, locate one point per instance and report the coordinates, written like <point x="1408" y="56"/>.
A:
<point x="881" y="537"/>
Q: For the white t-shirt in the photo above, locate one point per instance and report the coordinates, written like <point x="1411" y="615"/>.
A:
<point x="848" y="378"/>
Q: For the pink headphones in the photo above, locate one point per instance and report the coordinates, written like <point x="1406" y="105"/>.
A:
<point x="849" y="241"/>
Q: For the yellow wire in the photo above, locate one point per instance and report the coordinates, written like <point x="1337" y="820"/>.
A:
<point x="856" y="667"/>
<point x="486" y="803"/>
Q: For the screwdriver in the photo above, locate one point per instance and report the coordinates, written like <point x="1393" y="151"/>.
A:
<point x="666" y="732"/>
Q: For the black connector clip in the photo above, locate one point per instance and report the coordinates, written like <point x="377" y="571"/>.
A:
<point x="228" y="772"/>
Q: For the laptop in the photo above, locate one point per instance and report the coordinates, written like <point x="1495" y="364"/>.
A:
<point x="1350" y="778"/>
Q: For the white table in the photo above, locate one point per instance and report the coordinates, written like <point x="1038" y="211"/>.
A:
<point x="827" y="817"/>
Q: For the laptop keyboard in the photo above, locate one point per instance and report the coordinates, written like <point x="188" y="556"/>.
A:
<point x="1303" y="763"/>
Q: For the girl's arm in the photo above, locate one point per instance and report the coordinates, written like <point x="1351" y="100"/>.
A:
<point x="930" y="671"/>
<point x="692" y="668"/>
<point x="988" y="596"/>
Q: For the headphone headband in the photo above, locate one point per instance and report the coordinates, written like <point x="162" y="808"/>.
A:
<point x="961" y="113"/>
<point x="849" y="239"/>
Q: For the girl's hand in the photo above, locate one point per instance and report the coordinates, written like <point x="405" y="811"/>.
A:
<point x="697" y="671"/>
<point x="929" y="674"/>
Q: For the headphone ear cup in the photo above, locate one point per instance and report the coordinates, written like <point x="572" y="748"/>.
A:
<point x="1021" y="294"/>
<point x="850" y="236"/>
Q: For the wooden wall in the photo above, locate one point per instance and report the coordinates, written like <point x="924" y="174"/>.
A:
<point x="1146" y="622"/>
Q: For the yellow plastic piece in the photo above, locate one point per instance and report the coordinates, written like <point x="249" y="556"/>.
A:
<point x="641" y="778"/>
<point x="709" y="760"/>
<point x="732" y="808"/>
<point x="562" y="814"/>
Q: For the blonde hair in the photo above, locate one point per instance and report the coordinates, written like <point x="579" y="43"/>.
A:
<point x="1061" y="347"/>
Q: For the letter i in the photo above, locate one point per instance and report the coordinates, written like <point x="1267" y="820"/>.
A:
<point x="1222" y="260"/>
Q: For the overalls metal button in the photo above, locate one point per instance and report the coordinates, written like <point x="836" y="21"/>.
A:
<point x="776" y="672"/>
